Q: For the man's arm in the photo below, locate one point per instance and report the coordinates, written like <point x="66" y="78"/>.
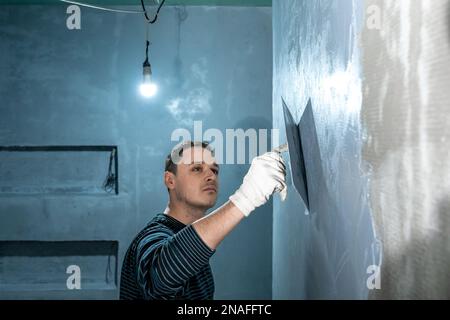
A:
<point x="266" y="175"/>
<point x="218" y="224"/>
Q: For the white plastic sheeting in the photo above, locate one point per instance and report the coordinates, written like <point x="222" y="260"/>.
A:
<point x="406" y="114"/>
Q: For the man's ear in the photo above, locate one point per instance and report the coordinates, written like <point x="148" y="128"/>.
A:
<point x="169" y="180"/>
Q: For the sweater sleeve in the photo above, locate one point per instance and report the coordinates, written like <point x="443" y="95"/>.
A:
<point x="165" y="261"/>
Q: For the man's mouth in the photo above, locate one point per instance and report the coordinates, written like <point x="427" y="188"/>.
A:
<point x="210" y="188"/>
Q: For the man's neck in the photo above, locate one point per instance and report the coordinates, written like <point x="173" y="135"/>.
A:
<point x="184" y="213"/>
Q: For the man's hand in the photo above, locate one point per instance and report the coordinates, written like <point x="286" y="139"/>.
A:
<point x="267" y="174"/>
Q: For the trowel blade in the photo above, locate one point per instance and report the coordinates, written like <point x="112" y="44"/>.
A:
<point x="296" y="156"/>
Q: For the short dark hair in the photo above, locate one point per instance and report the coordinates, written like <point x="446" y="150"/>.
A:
<point x="178" y="150"/>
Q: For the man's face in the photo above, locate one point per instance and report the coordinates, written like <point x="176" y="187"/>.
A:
<point x="197" y="179"/>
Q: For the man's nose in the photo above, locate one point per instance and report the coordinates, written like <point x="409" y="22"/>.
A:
<point x="210" y="175"/>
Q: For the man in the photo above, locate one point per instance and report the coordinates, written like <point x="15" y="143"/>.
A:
<point x="169" y="258"/>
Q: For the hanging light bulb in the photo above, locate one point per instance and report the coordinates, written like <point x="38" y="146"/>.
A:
<point x="148" y="88"/>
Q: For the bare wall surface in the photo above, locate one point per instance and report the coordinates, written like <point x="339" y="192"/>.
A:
<point x="325" y="252"/>
<point x="80" y="87"/>
<point x="406" y="114"/>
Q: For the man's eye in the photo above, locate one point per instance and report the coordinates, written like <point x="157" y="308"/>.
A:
<point x="216" y="172"/>
<point x="197" y="169"/>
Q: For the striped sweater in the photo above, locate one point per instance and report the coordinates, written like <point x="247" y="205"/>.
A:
<point x="167" y="260"/>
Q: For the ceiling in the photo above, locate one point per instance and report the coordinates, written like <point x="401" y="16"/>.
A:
<point x="240" y="3"/>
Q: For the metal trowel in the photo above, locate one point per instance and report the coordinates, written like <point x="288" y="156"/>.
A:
<point x="296" y="155"/>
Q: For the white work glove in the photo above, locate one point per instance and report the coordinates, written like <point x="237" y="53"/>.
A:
<point x="267" y="175"/>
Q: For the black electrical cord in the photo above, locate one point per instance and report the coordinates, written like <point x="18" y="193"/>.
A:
<point x="157" y="11"/>
<point x="110" y="181"/>
<point x="146" y="63"/>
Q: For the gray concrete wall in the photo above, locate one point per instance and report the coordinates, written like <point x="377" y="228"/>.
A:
<point x="79" y="87"/>
<point x="324" y="252"/>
